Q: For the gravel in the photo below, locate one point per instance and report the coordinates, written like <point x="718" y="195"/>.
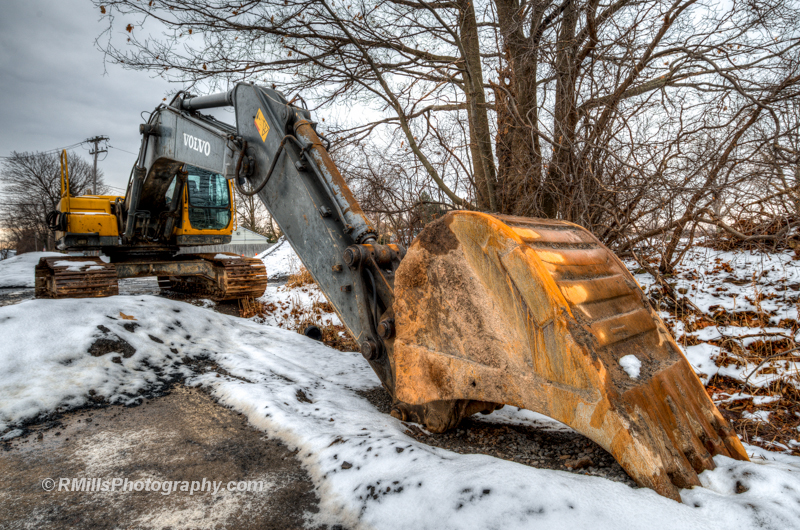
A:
<point x="537" y="447"/>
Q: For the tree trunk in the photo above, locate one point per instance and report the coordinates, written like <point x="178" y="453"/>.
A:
<point x="561" y="177"/>
<point x="480" y="136"/>
<point x="518" y="151"/>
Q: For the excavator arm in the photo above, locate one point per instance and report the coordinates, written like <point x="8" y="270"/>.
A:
<point x="481" y="311"/>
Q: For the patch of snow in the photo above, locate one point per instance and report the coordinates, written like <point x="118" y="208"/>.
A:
<point x="751" y="273"/>
<point x="701" y="357"/>
<point x="67" y="263"/>
<point x="227" y="256"/>
<point x="517" y="416"/>
<point x="759" y="415"/>
<point x="19" y="270"/>
<point x="78" y="266"/>
<point x="12" y="434"/>
<point x="305" y="301"/>
<point x="763" y="400"/>
<point x="745" y="336"/>
<point x="280" y="260"/>
<point x="738" y="396"/>
<point x="631" y="364"/>
<point x="391" y="481"/>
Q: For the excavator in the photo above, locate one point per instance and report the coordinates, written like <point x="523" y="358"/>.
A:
<point x="178" y="205"/>
<point x="480" y="311"/>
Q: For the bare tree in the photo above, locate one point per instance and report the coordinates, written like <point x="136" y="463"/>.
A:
<point x="253" y="215"/>
<point x="8" y="245"/>
<point x="640" y="120"/>
<point x="31" y="188"/>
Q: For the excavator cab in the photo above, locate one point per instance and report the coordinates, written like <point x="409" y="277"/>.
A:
<point x="208" y="200"/>
<point x="207" y="203"/>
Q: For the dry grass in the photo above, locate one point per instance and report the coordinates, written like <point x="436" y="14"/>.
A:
<point x="769" y="353"/>
<point x="784" y="418"/>
<point x="292" y="314"/>
<point x="300" y="279"/>
<point x="337" y="337"/>
<point x="250" y="307"/>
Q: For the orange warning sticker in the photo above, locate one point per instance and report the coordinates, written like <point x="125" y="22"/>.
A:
<point x="262" y="125"/>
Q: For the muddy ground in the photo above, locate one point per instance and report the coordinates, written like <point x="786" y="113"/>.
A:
<point x="184" y="435"/>
<point x="181" y="436"/>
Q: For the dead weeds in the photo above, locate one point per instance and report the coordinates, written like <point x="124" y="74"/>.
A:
<point x="747" y="409"/>
<point x="291" y="313"/>
<point x="301" y="279"/>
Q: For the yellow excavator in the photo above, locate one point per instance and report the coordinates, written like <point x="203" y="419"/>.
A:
<point x="481" y="311"/>
<point x="195" y="209"/>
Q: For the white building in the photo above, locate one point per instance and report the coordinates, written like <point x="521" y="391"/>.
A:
<point x="243" y="242"/>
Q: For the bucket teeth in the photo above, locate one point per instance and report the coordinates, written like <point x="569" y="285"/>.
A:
<point x="539" y="314"/>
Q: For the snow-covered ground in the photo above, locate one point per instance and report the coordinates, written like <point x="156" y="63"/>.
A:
<point x="281" y="260"/>
<point x="764" y="285"/>
<point x="18" y="271"/>
<point x="289" y="306"/>
<point x="738" y="323"/>
<point x="369" y="473"/>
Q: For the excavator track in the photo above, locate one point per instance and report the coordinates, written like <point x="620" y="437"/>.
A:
<point x="235" y="277"/>
<point x="75" y="277"/>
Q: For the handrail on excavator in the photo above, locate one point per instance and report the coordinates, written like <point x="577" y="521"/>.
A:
<point x="64" y="176"/>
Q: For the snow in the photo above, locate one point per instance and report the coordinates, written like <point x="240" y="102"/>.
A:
<point x="227" y="256"/>
<point x="78" y="266"/>
<point x="306" y="302"/>
<point x="19" y="270"/>
<point x="631" y="364"/>
<point x="12" y="434"/>
<point x="292" y="305"/>
<point x="739" y="396"/>
<point x="393" y="481"/>
<point x="759" y="415"/>
<point x="764" y="283"/>
<point x="742" y="275"/>
<point x="280" y="260"/>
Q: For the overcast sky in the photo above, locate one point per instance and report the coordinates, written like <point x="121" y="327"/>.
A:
<point x="56" y="91"/>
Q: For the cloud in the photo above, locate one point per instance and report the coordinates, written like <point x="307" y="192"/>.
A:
<point x="56" y="89"/>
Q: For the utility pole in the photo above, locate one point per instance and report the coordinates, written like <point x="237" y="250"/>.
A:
<point x="96" y="141"/>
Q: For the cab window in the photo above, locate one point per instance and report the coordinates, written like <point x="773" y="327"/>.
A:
<point x="209" y="199"/>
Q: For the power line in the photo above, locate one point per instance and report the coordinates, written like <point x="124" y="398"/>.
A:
<point x="123" y="150"/>
<point x="56" y="150"/>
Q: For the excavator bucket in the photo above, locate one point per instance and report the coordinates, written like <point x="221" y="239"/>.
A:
<point x="538" y="314"/>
